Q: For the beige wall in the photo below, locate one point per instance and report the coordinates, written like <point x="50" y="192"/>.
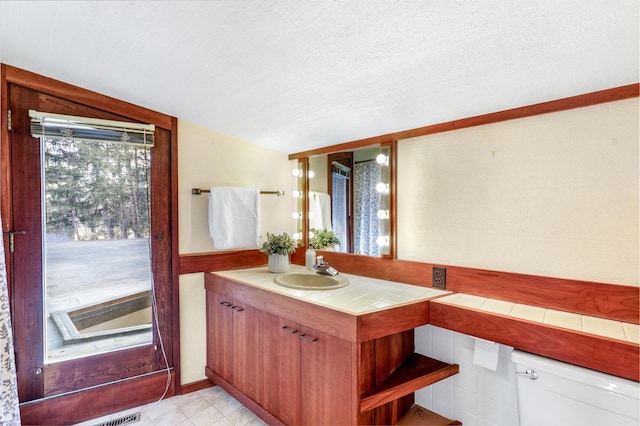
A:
<point x="207" y="158"/>
<point x="318" y="165"/>
<point x="553" y="195"/>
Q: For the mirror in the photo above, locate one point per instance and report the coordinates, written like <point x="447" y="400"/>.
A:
<point x="352" y="193"/>
<point x="299" y="203"/>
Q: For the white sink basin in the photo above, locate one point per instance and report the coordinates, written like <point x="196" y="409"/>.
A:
<point x="311" y="281"/>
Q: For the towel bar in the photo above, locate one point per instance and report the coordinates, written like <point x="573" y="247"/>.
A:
<point x="197" y="191"/>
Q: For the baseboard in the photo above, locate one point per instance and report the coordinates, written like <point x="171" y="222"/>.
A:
<point x="196" y="386"/>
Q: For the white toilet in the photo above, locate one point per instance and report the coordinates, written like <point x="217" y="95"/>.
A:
<point x="551" y="392"/>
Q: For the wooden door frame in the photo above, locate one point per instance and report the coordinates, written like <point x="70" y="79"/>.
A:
<point x="347" y="157"/>
<point x="103" y="398"/>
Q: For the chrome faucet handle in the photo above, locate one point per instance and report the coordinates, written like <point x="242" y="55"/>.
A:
<point x="324" y="268"/>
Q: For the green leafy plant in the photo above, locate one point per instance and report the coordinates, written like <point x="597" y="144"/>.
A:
<point x="324" y="238"/>
<point x="279" y="244"/>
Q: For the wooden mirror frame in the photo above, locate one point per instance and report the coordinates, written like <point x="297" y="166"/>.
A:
<point x="391" y="145"/>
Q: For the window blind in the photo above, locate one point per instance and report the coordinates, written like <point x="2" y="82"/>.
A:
<point x="50" y="125"/>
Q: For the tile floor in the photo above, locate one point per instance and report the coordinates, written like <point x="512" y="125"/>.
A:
<point x="207" y="407"/>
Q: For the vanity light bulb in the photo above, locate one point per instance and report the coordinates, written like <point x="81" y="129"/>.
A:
<point x="311" y="174"/>
<point x="311" y="234"/>
<point x="296" y="172"/>
<point x="382" y="159"/>
<point x="383" y="214"/>
<point x="382" y="241"/>
<point x="296" y="215"/>
<point x="382" y="187"/>
<point x="296" y="236"/>
<point x="296" y="194"/>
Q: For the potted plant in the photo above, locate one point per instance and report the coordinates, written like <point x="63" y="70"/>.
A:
<point x="323" y="239"/>
<point x="278" y="247"/>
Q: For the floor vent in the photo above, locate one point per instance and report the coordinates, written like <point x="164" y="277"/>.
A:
<point x="125" y="420"/>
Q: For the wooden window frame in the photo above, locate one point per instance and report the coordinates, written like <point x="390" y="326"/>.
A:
<point x="86" y="404"/>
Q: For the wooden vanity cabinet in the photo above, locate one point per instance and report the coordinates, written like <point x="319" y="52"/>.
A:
<point x="295" y="362"/>
<point x="281" y="368"/>
<point x="326" y="382"/>
<point x="306" y="374"/>
<point x="234" y="346"/>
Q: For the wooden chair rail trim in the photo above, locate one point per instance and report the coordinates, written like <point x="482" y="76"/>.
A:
<point x="586" y="350"/>
<point x="579" y="101"/>
<point x="221" y="261"/>
<point x="612" y="301"/>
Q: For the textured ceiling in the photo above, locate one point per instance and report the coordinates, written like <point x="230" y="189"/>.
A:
<point x="295" y="75"/>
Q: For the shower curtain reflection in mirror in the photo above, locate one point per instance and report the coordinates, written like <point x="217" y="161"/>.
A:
<point x="366" y="206"/>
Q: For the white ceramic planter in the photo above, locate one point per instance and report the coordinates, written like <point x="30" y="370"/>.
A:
<point x="278" y="263"/>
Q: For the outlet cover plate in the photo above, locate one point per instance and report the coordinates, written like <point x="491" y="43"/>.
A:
<point x="439" y="279"/>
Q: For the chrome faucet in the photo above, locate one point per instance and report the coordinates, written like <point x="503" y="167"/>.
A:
<point x="323" y="267"/>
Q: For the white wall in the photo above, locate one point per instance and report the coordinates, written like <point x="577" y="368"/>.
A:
<point x="207" y="158"/>
<point x="551" y="195"/>
<point x="476" y="396"/>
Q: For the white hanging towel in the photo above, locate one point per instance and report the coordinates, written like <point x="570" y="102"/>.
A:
<point x="320" y="207"/>
<point x="234" y="217"/>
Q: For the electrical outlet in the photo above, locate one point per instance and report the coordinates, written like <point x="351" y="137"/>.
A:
<point x="439" y="278"/>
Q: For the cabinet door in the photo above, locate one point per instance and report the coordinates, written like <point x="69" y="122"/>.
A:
<point x="219" y="335"/>
<point x="281" y="358"/>
<point x="247" y="350"/>
<point x="328" y="394"/>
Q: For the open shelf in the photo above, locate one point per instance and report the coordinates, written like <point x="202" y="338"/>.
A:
<point x="416" y="372"/>
<point x="418" y="415"/>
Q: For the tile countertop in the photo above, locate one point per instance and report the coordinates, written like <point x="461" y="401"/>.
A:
<point x="597" y="326"/>
<point x="363" y="295"/>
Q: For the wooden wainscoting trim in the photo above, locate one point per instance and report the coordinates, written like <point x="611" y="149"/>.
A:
<point x="602" y="300"/>
<point x="221" y="261"/>
<point x="403" y="271"/>
<point x="586" y="350"/>
<point x="612" y="301"/>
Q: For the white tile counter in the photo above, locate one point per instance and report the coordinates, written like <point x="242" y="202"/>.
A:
<point x="587" y="324"/>
<point x="363" y="294"/>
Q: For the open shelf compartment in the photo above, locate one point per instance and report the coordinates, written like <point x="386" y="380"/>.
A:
<point x="418" y="415"/>
<point x="416" y="372"/>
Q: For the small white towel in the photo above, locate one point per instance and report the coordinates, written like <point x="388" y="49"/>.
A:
<point x="234" y="217"/>
<point x="320" y="207"/>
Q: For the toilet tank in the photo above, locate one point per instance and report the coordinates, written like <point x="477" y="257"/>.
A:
<point x="551" y="392"/>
